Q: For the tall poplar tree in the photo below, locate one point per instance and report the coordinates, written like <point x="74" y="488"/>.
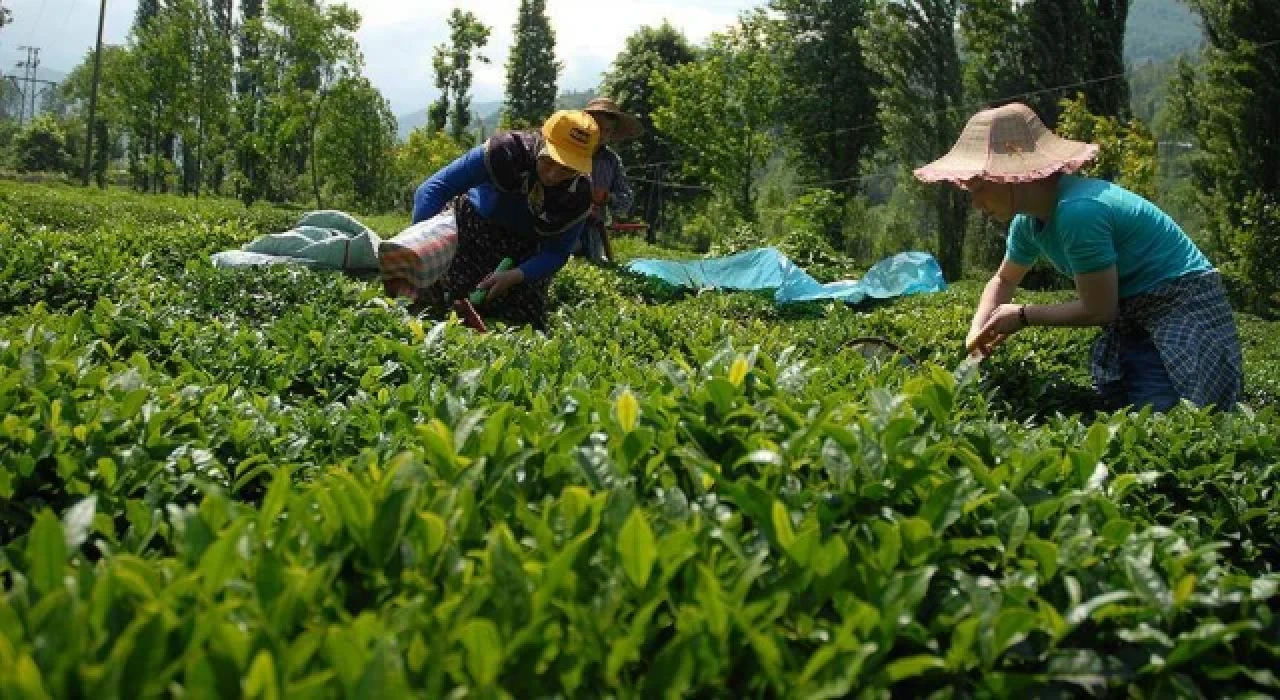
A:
<point x="826" y="85"/>
<point x="452" y="64"/>
<point x="532" y="68"/>
<point x="911" y="44"/>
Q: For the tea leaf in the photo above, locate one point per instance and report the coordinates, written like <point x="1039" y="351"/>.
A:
<point x="637" y="549"/>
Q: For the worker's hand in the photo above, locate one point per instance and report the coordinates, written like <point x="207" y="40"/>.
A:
<point x="599" y="196"/>
<point x="980" y="346"/>
<point x="498" y="283"/>
<point x="1003" y="322"/>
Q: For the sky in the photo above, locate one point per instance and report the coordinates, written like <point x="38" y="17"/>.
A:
<point x="397" y="36"/>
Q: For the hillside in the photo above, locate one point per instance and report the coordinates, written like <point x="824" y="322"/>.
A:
<point x="492" y="111"/>
<point x="408" y="122"/>
<point x="1159" y="30"/>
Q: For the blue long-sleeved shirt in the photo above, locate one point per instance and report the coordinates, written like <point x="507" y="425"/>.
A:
<point x="489" y="180"/>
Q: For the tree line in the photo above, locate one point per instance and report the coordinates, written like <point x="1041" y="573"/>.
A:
<point x="843" y="96"/>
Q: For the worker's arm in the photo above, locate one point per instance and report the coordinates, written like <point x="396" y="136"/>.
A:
<point x="1089" y="242"/>
<point x="552" y="255"/>
<point x="550" y="258"/>
<point x="998" y="292"/>
<point x="1088" y="239"/>
<point x="450" y="181"/>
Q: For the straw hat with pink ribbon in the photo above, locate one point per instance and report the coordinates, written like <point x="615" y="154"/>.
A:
<point x="1007" y="144"/>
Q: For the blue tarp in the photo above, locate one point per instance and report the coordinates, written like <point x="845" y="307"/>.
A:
<point x="768" y="268"/>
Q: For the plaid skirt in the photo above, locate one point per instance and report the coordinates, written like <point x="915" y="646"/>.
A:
<point x="1190" y="322"/>
<point x="482" y="245"/>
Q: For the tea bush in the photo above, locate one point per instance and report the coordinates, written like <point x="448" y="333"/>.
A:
<point x="278" y="483"/>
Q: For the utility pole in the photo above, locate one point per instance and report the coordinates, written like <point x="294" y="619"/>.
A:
<point x="35" y="79"/>
<point x="93" y="96"/>
<point x="29" y="78"/>
<point x="26" y="84"/>
<point x="29" y="81"/>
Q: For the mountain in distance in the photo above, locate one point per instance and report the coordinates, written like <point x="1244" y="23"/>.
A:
<point x="491" y="112"/>
<point x="1159" y="30"/>
<point x="406" y="123"/>
<point x="46" y="74"/>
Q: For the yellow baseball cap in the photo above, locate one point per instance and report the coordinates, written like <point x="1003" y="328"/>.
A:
<point x="572" y="137"/>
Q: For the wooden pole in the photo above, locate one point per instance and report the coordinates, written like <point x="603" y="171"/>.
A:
<point x="93" y="96"/>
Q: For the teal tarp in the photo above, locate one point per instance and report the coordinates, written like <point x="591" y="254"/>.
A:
<point x="327" y="240"/>
<point x="768" y="268"/>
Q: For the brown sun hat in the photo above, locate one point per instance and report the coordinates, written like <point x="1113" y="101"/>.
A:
<point x="1007" y="144"/>
<point x="628" y="126"/>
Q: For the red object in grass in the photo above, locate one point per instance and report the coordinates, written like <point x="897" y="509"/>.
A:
<point x="628" y="227"/>
<point x="469" y="317"/>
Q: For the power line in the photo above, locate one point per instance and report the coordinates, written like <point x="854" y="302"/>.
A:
<point x="672" y="185"/>
<point x="795" y="189"/>
<point x="1019" y="96"/>
<point x="39" y="15"/>
<point x="646" y="166"/>
<point x="970" y="107"/>
<point x="978" y="105"/>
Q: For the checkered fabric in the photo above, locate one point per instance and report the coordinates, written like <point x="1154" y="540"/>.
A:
<point x="419" y="256"/>
<point x="1190" y="322"/>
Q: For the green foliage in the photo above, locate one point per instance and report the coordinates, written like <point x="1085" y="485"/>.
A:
<point x="419" y="157"/>
<point x="716" y="226"/>
<point x="1108" y="21"/>
<point x="912" y="47"/>
<point x="175" y="84"/>
<point x="249" y="107"/>
<point x="356" y="143"/>
<point x="316" y="46"/>
<point x="532" y="68"/>
<point x="1127" y="154"/>
<point x="1255" y="241"/>
<point x="1032" y="49"/>
<point x="292" y="53"/>
<point x="1228" y="104"/>
<point x="278" y="483"/>
<point x="631" y="81"/>
<point x="452" y="65"/>
<point x="147" y="11"/>
<point x="827" y="103"/>
<point x="819" y="213"/>
<point x="41" y="146"/>
<point x="802" y="230"/>
<point x="112" y="108"/>
<point x="992" y="34"/>
<point x="718" y="111"/>
<point x="1150" y="85"/>
<point x="1073" y="42"/>
<point x="899" y="224"/>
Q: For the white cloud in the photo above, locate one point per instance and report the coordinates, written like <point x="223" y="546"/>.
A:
<point x="398" y="36"/>
<point x="398" y="39"/>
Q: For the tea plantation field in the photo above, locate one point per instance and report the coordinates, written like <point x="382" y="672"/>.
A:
<point x="278" y="483"/>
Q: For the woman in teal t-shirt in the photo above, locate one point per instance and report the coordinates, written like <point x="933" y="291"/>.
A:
<point x="1168" y="333"/>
